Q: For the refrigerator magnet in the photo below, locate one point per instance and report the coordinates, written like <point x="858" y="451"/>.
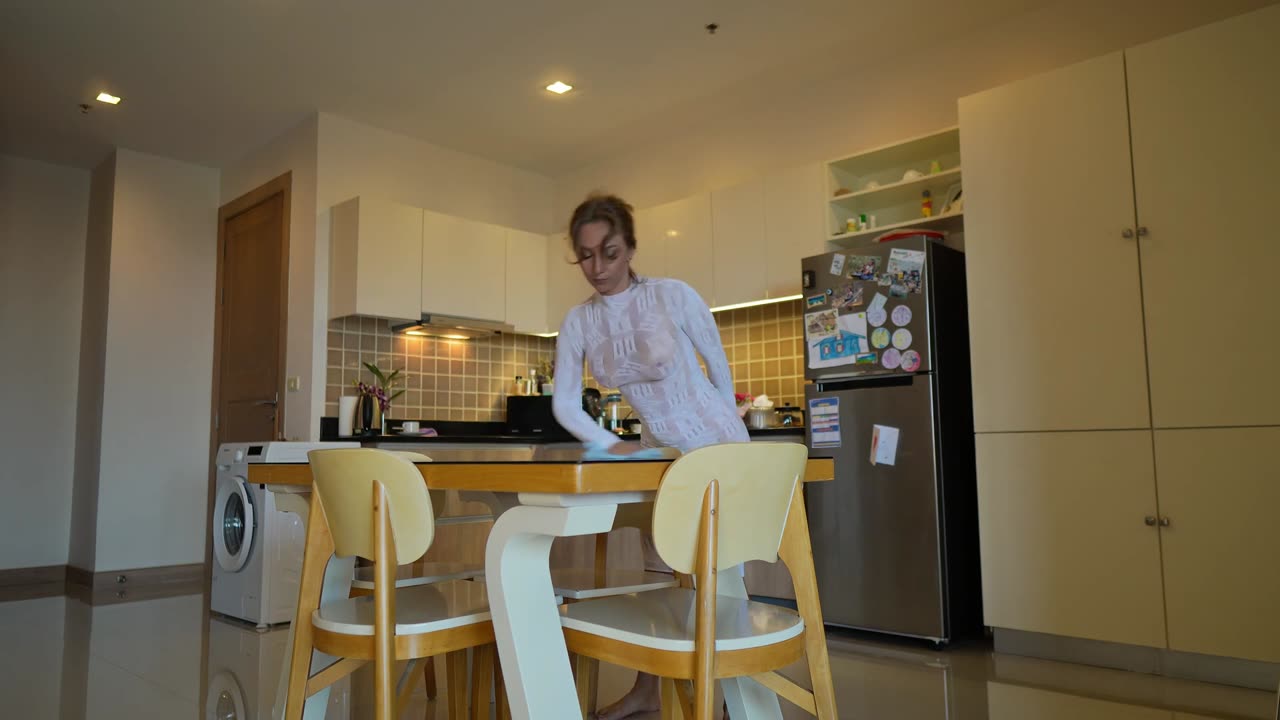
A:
<point x="901" y="315"/>
<point x="898" y="290"/>
<point x="911" y="361"/>
<point x="884" y="445"/>
<point x="877" y="302"/>
<point x="824" y="422"/>
<point x="866" y="359"/>
<point x="891" y="359"/>
<point x="877" y="317"/>
<point x="837" y="264"/>
<point x="814" y="301"/>
<point x="902" y="338"/>
<point x="849" y="296"/>
<point x="863" y="267"/>
<point x="879" y="336"/>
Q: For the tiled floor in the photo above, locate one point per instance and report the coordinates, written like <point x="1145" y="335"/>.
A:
<point x="167" y="659"/>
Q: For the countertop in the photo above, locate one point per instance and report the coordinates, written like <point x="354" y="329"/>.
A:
<point x="494" y="433"/>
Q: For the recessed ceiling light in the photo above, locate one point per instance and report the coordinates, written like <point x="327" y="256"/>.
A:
<point x="559" y="88"/>
<point x="108" y="98"/>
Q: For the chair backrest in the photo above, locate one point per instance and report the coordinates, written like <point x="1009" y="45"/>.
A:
<point x="756" y="483"/>
<point x="344" y="481"/>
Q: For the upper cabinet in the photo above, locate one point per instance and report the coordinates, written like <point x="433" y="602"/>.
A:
<point x="526" y="264"/>
<point x="1205" y="155"/>
<point x="375" y="259"/>
<point x="681" y="231"/>
<point x="566" y="287"/>
<point x="792" y="227"/>
<point x="738" y="219"/>
<point x="464" y="266"/>
<point x="1055" y="308"/>
<point x="651" y="247"/>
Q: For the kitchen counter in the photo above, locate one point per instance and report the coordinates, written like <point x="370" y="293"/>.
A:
<point x="494" y="433"/>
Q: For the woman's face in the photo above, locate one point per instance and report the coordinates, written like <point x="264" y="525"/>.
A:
<point x="605" y="259"/>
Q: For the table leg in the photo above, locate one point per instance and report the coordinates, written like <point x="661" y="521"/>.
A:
<point x="797" y="553"/>
<point x="539" y="681"/>
<point x="746" y="698"/>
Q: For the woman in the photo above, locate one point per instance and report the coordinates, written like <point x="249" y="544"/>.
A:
<point x="642" y="336"/>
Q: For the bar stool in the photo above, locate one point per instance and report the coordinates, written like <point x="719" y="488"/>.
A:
<point x="374" y="504"/>
<point x="718" y="507"/>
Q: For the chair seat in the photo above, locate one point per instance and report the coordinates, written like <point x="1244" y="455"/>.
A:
<point x="419" y="609"/>
<point x="580" y="583"/>
<point x="420" y="574"/>
<point x="664" y="620"/>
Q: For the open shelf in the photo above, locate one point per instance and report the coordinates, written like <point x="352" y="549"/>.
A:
<point x="901" y="192"/>
<point x="951" y="222"/>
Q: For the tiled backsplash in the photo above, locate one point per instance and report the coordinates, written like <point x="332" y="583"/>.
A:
<point x="444" y="379"/>
<point x="470" y="379"/>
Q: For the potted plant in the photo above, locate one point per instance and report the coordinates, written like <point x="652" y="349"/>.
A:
<point x="375" y="399"/>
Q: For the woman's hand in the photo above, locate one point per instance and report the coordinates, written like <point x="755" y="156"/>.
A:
<point x="625" y="448"/>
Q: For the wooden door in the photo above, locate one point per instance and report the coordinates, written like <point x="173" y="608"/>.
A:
<point x="738" y="241"/>
<point x="1219" y="490"/>
<point x="1055" y="307"/>
<point x="1206" y="149"/>
<point x="526" y="281"/>
<point x="463" y="267"/>
<point x="793" y="211"/>
<point x="1066" y="548"/>
<point x="252" y="307"/>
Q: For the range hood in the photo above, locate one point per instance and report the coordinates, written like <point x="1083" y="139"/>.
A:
<point x="452" y="327"/>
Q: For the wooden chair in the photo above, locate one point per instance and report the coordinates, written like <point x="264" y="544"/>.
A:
<point x="718" y="507"/>
<point x="351" y="488"/>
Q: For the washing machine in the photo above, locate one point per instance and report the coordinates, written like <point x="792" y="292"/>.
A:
<point x="257" y="549"/>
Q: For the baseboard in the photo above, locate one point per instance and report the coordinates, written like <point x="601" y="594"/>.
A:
<point x="1152" y="661"/>
<point x="107" y="586"/>
<point x="45" y="575"/>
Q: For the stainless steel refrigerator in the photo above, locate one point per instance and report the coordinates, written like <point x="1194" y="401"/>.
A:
<point x="887" y="350"/>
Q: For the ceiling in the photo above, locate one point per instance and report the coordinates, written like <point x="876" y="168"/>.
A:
<point x="206" y="82"/>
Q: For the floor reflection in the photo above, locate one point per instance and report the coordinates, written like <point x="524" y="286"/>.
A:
<point x="168" y="658"/>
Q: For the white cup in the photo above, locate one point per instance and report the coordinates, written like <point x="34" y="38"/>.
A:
<point x="410" y="426"/>
<point x="346" y="414"/>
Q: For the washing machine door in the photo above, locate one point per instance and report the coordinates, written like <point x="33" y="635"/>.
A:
<point x="233" y="524"/>
<point x="226" y="699"/>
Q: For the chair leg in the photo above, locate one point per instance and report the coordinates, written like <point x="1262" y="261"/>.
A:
<point x="456" y="684"/>
<point x="704" y="664"/>
<point x="672" y="708"/>
<point x="502" y="710"/>
<point x="429" y="675"/>
<point x="588" y="677"/>
<point x="797" y="553"/>
<point x="315" y="558"/>
<point x="481" y="680"/>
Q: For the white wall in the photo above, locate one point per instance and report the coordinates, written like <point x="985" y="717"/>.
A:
<point x="154" y="469"/>
<point x="293" y="151"/>
<point x="798" y="115"/>
<point x="43" y="211"/>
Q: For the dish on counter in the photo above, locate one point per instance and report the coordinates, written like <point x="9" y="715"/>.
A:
<point x="424" y="432"/>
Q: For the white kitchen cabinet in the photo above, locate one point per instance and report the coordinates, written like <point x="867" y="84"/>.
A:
<point x="738" y="241"/>
<point x="1205" y="158"/>
<point x="463" y="267"/>
<point x="375" y="259"/>
<point x="566" y="287"/>
<point x="1055" y="306"/>
<point x="1066" y="544"/>
<point x="793" y="226"/>
<point x="684" y="227"/>
<point x="526" y="292"/>
<point x="1221" y="544"/>
<point x="651" y="243"/>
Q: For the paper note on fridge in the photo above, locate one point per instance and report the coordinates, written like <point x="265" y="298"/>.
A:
<point x="884" y="445"/>
<point x="824" y="422"/>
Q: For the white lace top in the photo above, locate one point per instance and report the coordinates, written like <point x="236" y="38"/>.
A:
<point x="643" y="342"/>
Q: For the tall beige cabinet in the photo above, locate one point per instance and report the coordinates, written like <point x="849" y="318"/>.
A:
<point x="1124" y="321"/>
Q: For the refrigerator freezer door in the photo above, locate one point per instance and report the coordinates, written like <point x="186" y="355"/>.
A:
<point x="875" y="528"/>
<point x="854" y="294"/>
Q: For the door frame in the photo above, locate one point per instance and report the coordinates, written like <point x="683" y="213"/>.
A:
<point x="280" y="185"/>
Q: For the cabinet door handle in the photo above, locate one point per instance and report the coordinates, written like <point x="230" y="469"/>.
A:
<point x="1127" y="233"/>
<point x="1165" y="522"/>
<point x="1142" y="231"/>
<point x="1150" y="520"/>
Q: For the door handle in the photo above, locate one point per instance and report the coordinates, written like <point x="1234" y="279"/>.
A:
<point x="1127" y="233"/>
<point x="1165" y="521"/>
<point x="1142" y="231"/>
<point x="1150" y="520"/>
<point x="260" y="403"/>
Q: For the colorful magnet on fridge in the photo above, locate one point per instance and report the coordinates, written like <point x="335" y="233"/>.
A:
<point x="879" y="338"/>
<point x="877" y="316"/>
<point x="815" y="301"/>
<point x="910" y="360"/>
<point x="866" y="359"/>
<point x="901" y="315"/>
<point x="902" y="338"/>
<point x="837" y="264"/>
<point x="891" y="359"/>
<point x="849" y="296"/>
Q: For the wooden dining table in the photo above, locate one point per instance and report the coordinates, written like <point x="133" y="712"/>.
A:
<point x="545" y="493"/>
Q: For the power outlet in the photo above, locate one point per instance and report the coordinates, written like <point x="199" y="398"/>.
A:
<point x="293" y="384"/>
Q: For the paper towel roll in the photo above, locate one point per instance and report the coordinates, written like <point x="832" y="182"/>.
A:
<point x="346" y="414"/>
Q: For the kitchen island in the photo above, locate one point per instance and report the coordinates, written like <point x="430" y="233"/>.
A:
<point x="559" y="494"/>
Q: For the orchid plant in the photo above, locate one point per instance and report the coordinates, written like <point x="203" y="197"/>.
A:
<point x="383" y="388"/>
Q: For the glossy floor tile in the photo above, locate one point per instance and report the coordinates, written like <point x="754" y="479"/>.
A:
<point x="168" y="659"/>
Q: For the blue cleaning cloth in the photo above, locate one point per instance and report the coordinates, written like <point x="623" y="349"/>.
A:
<point x="596" y="452"/>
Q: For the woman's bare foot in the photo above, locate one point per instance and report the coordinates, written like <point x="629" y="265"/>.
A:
<point x="643" y="697"/>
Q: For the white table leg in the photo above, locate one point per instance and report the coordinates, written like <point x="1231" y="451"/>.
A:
<point x="338" y="575"/>
<point x="531" y="645"/>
